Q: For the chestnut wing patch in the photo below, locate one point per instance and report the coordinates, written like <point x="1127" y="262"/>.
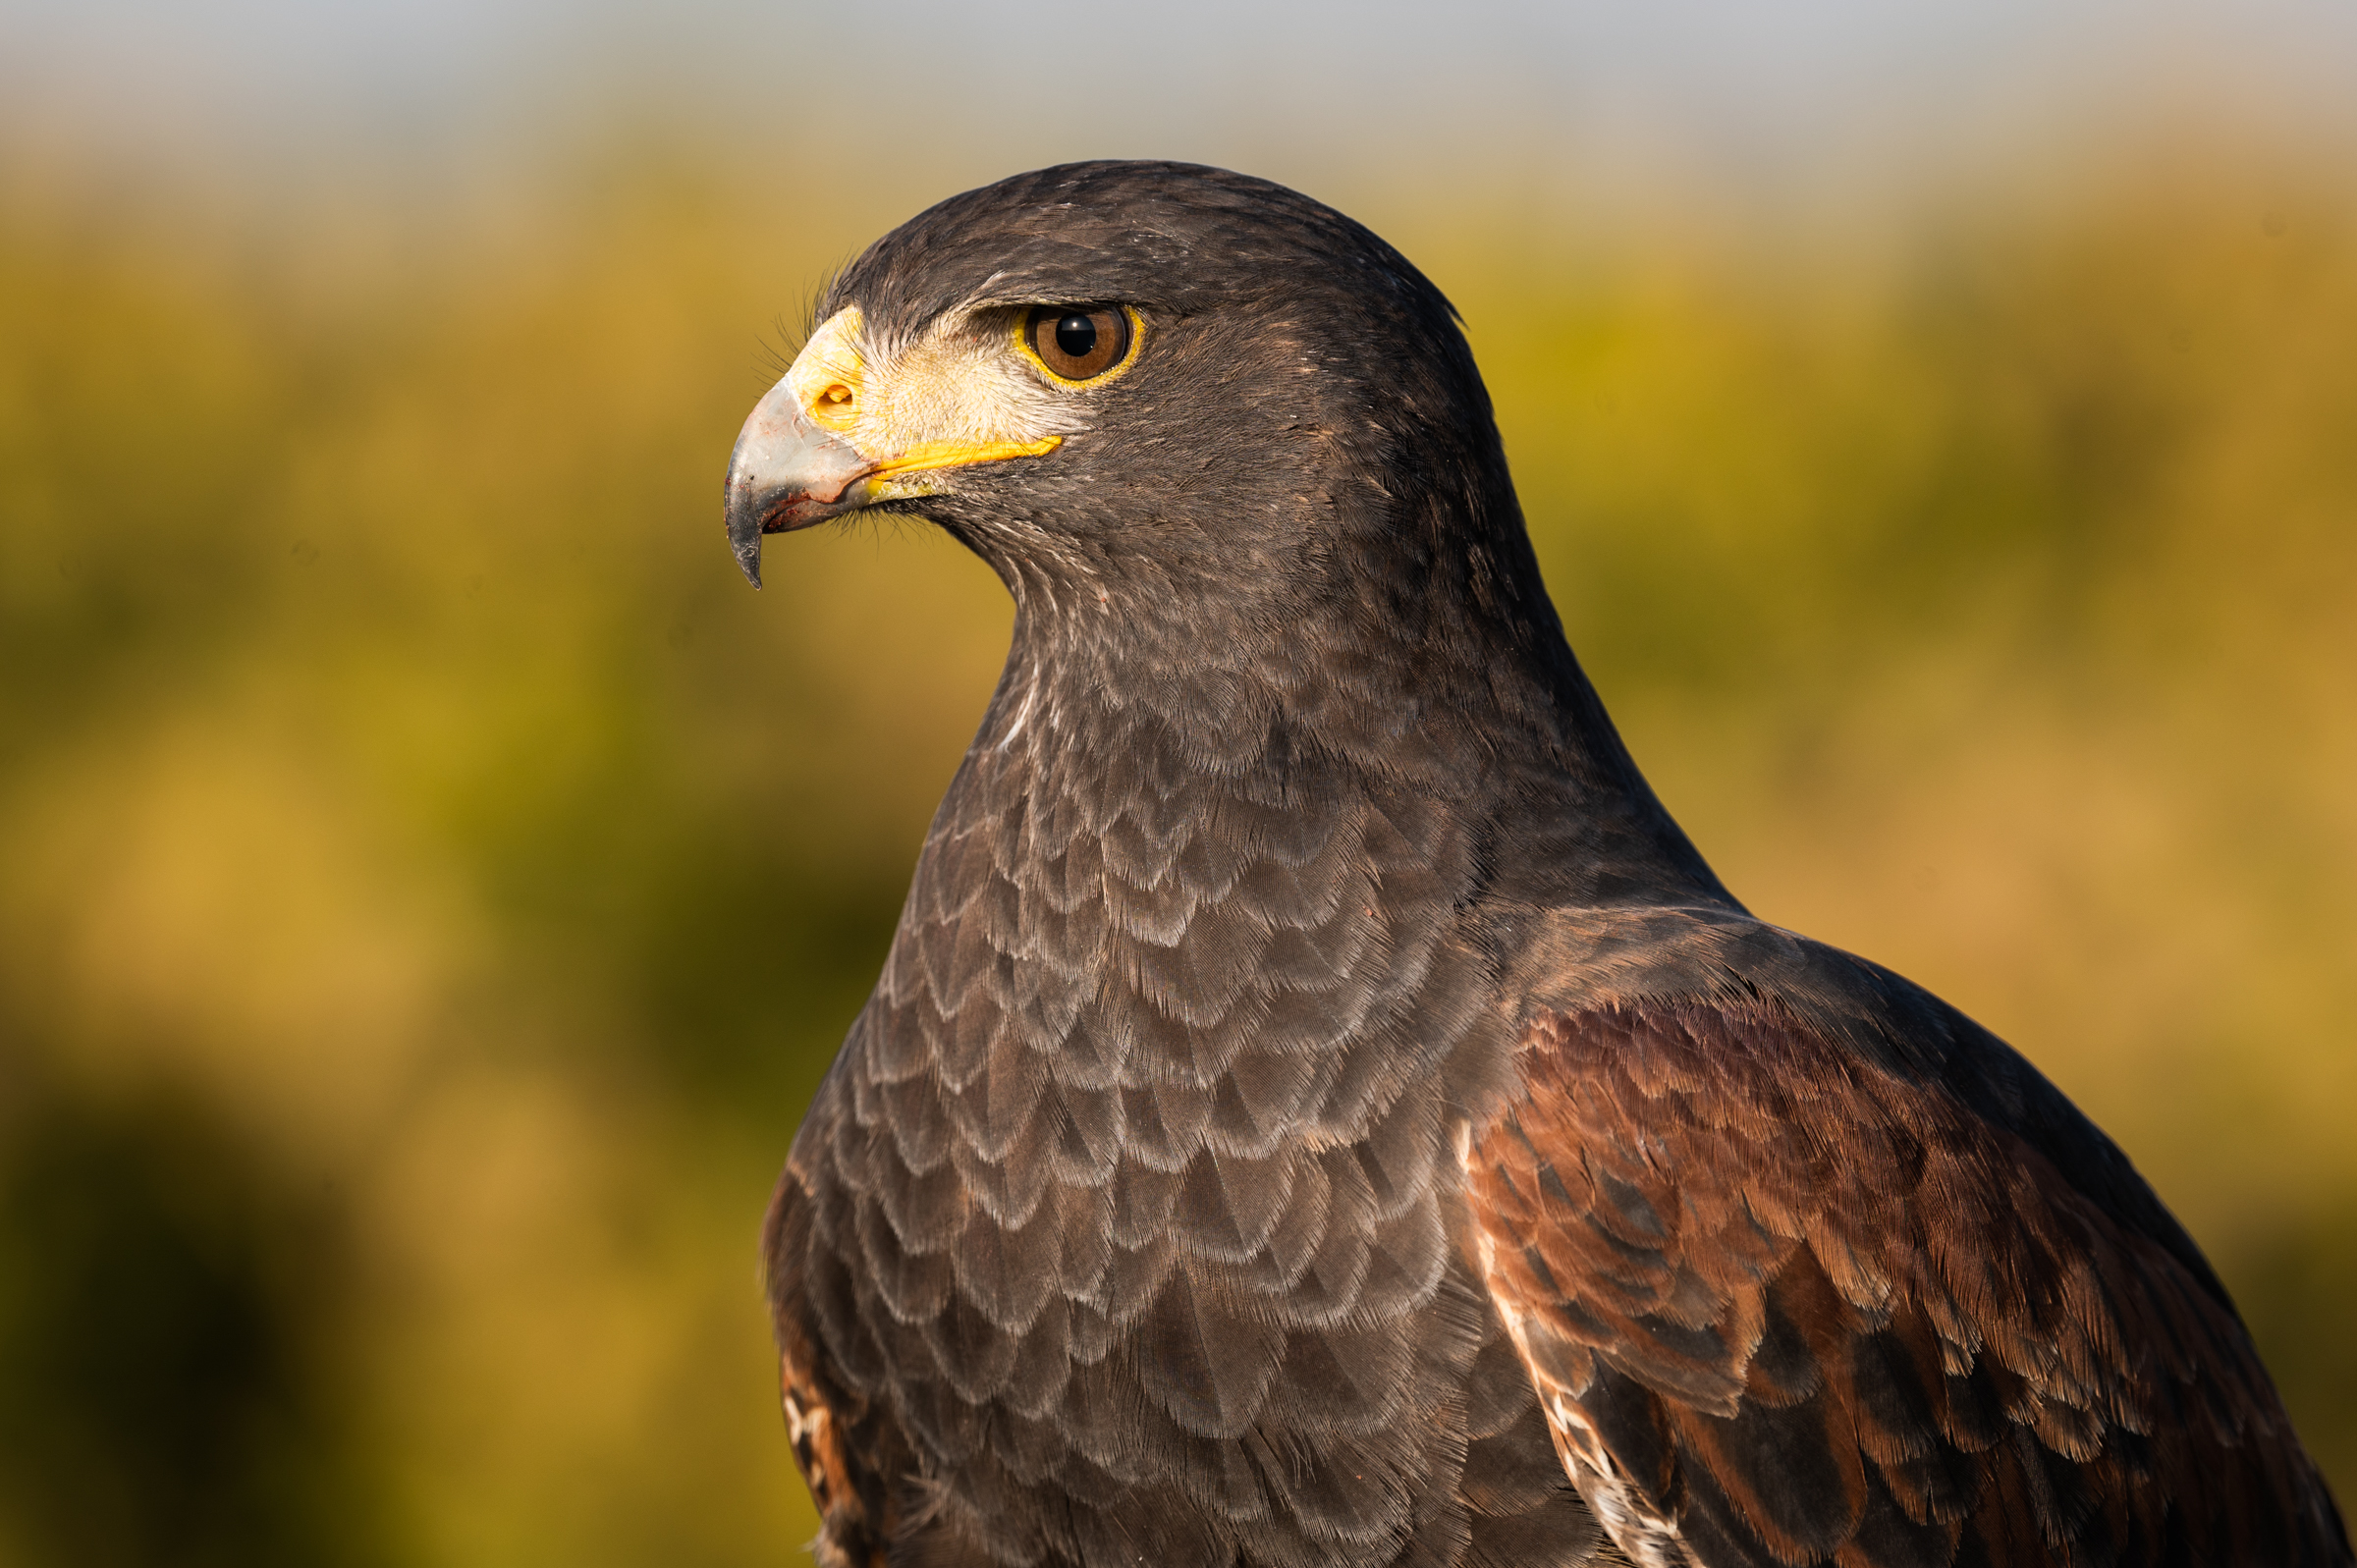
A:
<point x="817" y="1437"/>
<point x="835" y="1436"/>
<point x="1783" y="1306"/>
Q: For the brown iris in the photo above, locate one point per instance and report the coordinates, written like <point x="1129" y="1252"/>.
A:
<point x="1080" y="341"/>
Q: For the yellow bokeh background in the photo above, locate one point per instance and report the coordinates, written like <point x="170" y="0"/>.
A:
<point x="432" y="882"/>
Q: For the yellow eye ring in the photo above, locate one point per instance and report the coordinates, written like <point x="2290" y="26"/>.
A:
<point x="1079" y="346"/>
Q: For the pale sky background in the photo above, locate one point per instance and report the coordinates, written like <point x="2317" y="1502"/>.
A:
<point x="1763" y="94"/>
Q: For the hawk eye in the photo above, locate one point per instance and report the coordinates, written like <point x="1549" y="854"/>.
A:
<point x="1080" y="341"/>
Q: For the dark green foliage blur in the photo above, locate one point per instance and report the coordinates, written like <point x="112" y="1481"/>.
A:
<point x="431" y="882"/>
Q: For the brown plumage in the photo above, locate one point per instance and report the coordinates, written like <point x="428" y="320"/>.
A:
<point x="1319" y="1109"/>
<point x="1808" y="1307"/>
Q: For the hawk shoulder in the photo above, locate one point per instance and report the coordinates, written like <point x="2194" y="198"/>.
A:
<point x="1786" y="1303"/>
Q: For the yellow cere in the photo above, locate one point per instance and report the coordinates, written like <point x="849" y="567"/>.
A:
<point x="950" y="398"/>
<point x="826" y="373"/>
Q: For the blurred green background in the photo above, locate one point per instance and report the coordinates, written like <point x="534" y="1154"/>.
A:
<point x="432" y="882"/>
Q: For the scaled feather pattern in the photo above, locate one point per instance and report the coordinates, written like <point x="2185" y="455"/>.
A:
<point x="1318" y="1109"/>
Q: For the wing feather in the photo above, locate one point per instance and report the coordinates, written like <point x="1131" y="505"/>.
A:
<point x="1784" y="1305"/>
<point x="833" y="1437"/>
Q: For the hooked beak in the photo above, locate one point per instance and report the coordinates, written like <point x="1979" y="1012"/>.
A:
<point x="788" y="474"/>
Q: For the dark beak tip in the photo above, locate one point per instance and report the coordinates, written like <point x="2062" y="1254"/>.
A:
<point x="784" y="473"/>
<point x="743" y="516"/>
<point x="748" y="556"/>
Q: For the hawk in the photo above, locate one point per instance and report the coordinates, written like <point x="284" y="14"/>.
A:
<point x="1318" y="1109"/>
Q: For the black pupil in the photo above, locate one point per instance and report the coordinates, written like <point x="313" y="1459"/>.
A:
<point x="1076" y="335"/>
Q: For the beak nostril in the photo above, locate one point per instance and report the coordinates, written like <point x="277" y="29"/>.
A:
<point x="835" y="404"/>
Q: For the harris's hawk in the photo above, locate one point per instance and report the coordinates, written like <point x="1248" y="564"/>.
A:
<point x="1319" y="1109"/>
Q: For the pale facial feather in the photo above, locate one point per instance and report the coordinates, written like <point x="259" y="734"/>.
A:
<point x="963" y="384"/>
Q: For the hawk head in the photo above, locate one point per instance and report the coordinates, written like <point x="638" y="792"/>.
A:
<point x="1132" y="362"/>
